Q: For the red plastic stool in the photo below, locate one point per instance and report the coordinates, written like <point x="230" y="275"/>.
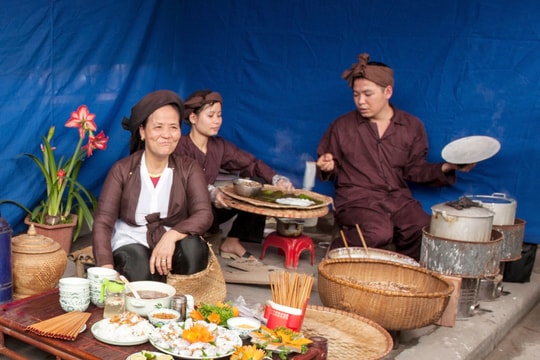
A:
<point x="291" y="246"/>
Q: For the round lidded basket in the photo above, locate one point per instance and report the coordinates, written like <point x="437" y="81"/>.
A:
<point x="38" y="263"/>
<point x="395" y="296"/>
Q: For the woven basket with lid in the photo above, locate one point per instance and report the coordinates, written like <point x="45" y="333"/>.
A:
<point x="38" y="263"/>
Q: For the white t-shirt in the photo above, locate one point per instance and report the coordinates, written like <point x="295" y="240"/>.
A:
<point x="151" y="199"/>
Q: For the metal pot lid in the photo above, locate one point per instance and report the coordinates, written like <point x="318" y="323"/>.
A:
<point x="491" y="199"/>
<point x="471" y="212"/>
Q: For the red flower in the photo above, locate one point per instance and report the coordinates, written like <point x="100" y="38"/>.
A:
<point x="82" y="119"/>
<point x="96" y="142"/>
<point x="60" y="174"/>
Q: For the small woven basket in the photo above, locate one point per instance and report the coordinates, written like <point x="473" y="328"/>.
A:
<point x="395" y="296"/>
<point x="207" y="286"/>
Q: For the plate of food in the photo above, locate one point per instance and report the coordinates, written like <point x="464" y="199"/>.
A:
<point x="470" y="149"/>
<point x="272" y="197"/>
<point x="195" y="340"/>
<point x="123" y="330"/>
<point x="280" y="340"/>
<point x="149" y="355"/>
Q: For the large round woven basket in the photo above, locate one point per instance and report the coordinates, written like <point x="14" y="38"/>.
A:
<point x="350" y="336"/>
<point x="395" y="296"/>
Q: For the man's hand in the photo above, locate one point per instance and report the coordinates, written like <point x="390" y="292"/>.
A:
<point x="446" y="167"/>
<point x="326" y="162"/>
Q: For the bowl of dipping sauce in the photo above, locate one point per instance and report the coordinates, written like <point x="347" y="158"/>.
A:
<point x="160" y="317"/>
<point x="154" y="295"/>
<point x="243" y="325"/>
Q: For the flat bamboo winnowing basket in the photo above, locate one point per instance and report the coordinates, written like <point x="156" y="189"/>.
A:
<point x="395" y="296"/>
<point x="350" y="336"/>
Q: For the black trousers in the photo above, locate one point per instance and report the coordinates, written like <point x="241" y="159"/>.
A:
<point x="190" y="257"/>
<point x="247" y="226"/>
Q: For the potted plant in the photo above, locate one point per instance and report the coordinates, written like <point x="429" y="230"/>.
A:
<point x="67" y="202"/>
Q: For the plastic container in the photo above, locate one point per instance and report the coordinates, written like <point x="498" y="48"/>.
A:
<point x="284" y="316"/>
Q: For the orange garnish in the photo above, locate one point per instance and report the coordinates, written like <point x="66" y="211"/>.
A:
<point x="197" y="333"/>
<point x="196" y="315"/>
<point x="214" y="318"/>
<point x="247" y="352"/>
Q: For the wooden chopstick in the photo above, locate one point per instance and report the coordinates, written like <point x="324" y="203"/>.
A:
<point x="346" y="243"/>
<point x="362" y="238"/>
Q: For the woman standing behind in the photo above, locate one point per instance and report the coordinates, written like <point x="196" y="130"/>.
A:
<point x="154" y="204"/>
<point x="203" y="114"/>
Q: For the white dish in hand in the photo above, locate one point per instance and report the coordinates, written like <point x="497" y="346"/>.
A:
<point x="470" y="149"/>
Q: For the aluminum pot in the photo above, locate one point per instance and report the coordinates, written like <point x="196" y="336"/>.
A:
<point x="468" y="224"/>
<point x="290" y="227"/>
<point x="144" y="306"/>
<point x="503" y="207"/>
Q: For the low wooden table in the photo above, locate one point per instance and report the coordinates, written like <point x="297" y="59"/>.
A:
<point x="17" y="315"/>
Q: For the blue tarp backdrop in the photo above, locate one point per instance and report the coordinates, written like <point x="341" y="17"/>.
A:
<point x="465" y="67"/>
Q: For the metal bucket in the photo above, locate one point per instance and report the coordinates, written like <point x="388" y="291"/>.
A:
<point x="468" y="299"/>
<point x="512" y="240"/>
<point x="6" y="278"/>
<point x="503" y="207"/>
<point x="461" y="258"/>
<point x="490" y="288"/>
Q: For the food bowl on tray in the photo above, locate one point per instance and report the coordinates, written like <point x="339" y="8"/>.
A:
<point x="160" y="317"/>
<point x="154" y="295"/>
<point x="395" y="296"/>
<point x="372" y="253"/>
<point x="246" y="187"/>
<point x="243" y="325"/>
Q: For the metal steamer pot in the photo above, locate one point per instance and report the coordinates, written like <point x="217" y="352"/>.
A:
<point x="503" y="207"/>
<point x="468" y="224"/>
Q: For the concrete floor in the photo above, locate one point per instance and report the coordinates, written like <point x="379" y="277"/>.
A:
<point x="495" y="334"/>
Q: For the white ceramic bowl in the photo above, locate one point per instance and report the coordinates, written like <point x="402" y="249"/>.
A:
<point x="161" y="317"/>
<point x="144" y="306"/>
<point x="243" y="325"/>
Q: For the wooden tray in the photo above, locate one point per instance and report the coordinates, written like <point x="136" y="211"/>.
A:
<point x="325" y="200"/>
<point x="278" y="212"/>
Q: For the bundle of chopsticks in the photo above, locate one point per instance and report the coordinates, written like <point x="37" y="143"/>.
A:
<point x="290" y="289"/>
<point x="66" y="326"/>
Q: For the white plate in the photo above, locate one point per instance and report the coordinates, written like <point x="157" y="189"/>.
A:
<point x="295" y="201"/>
<point x="192" y="357"/>
<point x="135" y="340"/>
<point x="151" y="352"/>
<point x="470" y="149"/>
<point x="174" y="330"/>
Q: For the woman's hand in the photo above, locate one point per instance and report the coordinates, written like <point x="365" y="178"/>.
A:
<point x="220" y="199"/>
<point x="285" y="184"/>
<point x="162" y="255"/>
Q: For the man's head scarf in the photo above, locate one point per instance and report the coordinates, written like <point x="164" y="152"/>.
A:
<point x="144" y="108"/>
<point x="379" y="74"/>
<point x="199" y="99"/>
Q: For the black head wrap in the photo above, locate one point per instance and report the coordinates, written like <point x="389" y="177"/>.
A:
<point x="200" y="98"/>
<point x="379" y="73"/>
<point x="144" y="108"/>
